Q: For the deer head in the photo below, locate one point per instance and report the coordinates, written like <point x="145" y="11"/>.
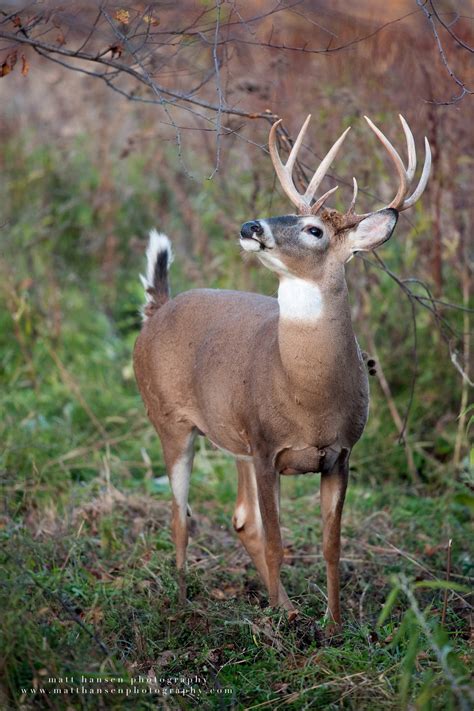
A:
<point x="303" y="244"/>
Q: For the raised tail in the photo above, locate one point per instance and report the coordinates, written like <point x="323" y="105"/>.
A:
<point x="159" y="256"/>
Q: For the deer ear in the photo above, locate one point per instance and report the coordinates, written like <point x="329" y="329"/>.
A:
<point x="373" y="231"/>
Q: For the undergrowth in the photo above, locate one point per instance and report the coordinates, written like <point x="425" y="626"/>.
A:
<point x="88" y="583"/>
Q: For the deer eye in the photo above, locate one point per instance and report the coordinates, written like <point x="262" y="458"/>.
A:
<point x="315" y="231"/>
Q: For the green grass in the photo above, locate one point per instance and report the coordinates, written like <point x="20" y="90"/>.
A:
<point x="91" y="589"/>
<point x="88" y="583"/>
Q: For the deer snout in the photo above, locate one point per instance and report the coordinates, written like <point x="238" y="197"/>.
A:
<point x="251" y="230"/>
<point x="256" y="236"/>
<point x="252" y="236"/>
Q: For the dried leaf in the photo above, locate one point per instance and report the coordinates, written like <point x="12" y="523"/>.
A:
<point x="123" y="16"/>
<point x="9" y="64"/>
<point x="25" y="65"/>
<point x="150" y="20"/>
<point x="116" y="50"/>
<point x="218" y="594"/>
<point x="166" y="656"/>
<point x="280" y="687"/>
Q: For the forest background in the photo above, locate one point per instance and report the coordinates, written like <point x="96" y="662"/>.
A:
<point x="117" y="118"/>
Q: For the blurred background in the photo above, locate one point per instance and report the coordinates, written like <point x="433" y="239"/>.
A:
<point x="115" y="119"/>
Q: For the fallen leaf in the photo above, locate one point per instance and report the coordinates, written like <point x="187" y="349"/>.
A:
<point x="280" y="686"/>
<point x="218" y="594"/>
<point x="432" y="550"/>
<point x="165" y="658"/>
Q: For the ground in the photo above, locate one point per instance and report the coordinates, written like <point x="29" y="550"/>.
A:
<point x="93" y="591"/>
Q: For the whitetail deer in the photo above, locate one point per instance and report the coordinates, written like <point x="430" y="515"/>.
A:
<point x="278" y="383"/>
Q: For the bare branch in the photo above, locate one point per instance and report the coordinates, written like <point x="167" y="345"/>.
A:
<point x="464" y="90"/>
<point x="449" y="30"/>
<point x="218" y="89"/>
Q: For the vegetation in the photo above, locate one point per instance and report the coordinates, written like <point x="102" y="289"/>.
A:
<point x="89" y="579"/>
<point x="88" y="586"/>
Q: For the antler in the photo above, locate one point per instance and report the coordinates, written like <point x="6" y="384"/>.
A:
<point x="401" y="202"/>
<point x="285" y="172"/>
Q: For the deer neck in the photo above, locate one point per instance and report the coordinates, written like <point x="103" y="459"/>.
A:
<point x="315" y="336"/>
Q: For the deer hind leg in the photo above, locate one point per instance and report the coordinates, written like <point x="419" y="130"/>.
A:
<point x="178" y="450"/>
<point x="248" y="522"/>
<point x="333" y="490"/>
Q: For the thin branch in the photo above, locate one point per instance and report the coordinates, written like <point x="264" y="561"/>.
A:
<point x="218" y="89"/>
<point x="68" y="608"/>
<point x="448" y="577"/>
<point x="449" y="30"/>
<point x="325" y="50"/>
<point x="464" y="90"/>
<point x="142" y="78"/>
<point x="150" y="82"/>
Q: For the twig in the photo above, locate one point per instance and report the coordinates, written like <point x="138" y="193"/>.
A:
<point x="150" y="82"/>
<point x="121" y="67"/>
<point x="65" y="604"/>
<point x="294" y="696"/>
<point x="449" y="30"/>
<point x="464" y="90"/>
<point x="325" y="50"/>
<point x="400" y="424"/>
<point x="94" y="446"/>
<point x="218" y="89"/>
<point x="448" y="576"/>
<point x="416" y="562"/>
<point x="460" y="434"/>
<point x="446" y="331"/>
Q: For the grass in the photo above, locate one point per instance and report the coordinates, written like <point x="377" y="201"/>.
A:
<point x="88" y="582"/>
<point x="92" y="591"/>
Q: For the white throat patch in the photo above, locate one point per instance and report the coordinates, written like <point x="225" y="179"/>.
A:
<point x="299" y="300"/>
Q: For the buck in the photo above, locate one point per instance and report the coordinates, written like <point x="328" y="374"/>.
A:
<point x="280" y="384"/>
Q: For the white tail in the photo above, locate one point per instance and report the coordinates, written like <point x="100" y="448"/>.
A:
<point x="159" y="256"/>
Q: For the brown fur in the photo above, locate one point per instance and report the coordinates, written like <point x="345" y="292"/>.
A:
<point x="283" y="396"/>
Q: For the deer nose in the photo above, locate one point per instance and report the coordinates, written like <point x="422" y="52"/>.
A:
<point x="251" y="229"/>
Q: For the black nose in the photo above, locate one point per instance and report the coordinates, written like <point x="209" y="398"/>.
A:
<point x="249" y="229"/>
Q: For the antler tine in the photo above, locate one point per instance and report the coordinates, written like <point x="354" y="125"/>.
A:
<point x="296" y="146"/>
<point x="411" y="149"/>
<point x="400" y="201"/>
<point x="320" y="201"/>
<point x="324" y="167"/>
<point x="403" y="187"/>
<point x="282" y="171"/>
<point x="425" y="174"/>
<point x="355" y="190"/>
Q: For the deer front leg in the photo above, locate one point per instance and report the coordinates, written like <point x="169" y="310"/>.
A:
<point x="268" y="497"/>
<point x="333" y="490"/>
<point x="247" y="521"/>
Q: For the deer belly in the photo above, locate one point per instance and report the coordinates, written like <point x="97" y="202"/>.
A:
<point x="231" y="442"/>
